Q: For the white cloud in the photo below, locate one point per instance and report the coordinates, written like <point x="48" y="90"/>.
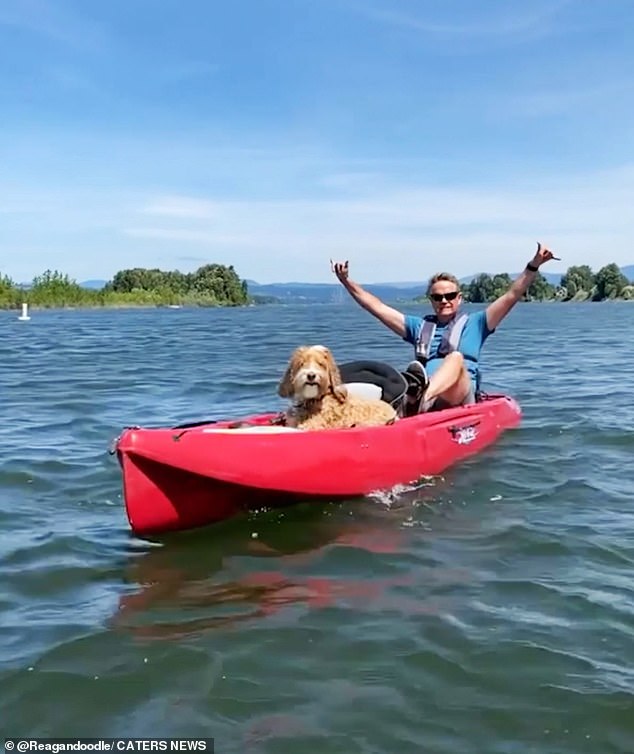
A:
<point x="370" y="216"/>
<point x="564" y="99"/>
<point x="503" y="21"/>
<point x="184" y="207"/>
<point x="587" y="220"/>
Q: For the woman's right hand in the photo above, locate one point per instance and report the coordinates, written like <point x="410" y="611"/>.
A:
<point x="340" y="269"/>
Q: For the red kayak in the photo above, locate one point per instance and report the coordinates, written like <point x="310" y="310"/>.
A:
<point x="190" y="476"/>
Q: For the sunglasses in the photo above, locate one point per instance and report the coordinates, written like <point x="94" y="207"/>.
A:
<point x="438" y="297"/>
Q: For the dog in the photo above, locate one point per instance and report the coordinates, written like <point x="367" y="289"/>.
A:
<point x="319" y="399"/>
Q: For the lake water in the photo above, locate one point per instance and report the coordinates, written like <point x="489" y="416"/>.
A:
<point x="489" y="611"/>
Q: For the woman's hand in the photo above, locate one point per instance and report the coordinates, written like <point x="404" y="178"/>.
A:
<point x="340" y="269"/>
<point x="542" y="255"/>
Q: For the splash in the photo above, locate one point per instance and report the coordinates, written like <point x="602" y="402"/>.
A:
<point x="396" y="494"/>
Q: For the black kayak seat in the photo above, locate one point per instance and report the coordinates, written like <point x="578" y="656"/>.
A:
<point x="392" y="382"/>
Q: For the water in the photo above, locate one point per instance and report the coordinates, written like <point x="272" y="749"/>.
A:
<point x="490" y="610"/>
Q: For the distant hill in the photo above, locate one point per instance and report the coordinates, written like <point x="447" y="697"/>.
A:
<point x="332" y="292"/>
<point x="628" y="271"/>
<point x="324" y="293"/>
<point x="94" y="284"/>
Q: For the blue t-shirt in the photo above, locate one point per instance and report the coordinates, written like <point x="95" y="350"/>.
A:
<point x="475" y="332"/>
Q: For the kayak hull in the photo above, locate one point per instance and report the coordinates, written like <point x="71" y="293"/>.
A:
<point x="183" y="478"/>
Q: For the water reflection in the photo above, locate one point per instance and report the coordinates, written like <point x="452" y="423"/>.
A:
<point x="226" y="575"/>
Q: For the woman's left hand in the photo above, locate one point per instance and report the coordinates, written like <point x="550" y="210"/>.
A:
<point x="542" y="255"/>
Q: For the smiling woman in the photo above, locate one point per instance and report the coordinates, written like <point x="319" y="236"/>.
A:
<point x="447" y="344"/>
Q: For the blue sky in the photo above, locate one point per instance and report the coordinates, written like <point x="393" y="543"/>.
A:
<point x="407" y="136"/>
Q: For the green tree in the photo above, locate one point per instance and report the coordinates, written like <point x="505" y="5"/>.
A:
<point x="609" y="282"/>
<point x="577" y="280"/>
<point x="9" y="293"/>
<point x="485" y="288"/>
<point x="138" y="279"/>
<point x="210" y="285"/>
<point x="53" y="288"/>
<point x="220" y="284"/>
<point x="480" y="289"/>
<point x="501" y="284"/>
<point x="540" y="289"/>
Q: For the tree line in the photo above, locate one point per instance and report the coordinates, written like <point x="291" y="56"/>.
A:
<point x="579" y="283"/>
<point x="219" y="285"/>
<point x="210" y="285"/>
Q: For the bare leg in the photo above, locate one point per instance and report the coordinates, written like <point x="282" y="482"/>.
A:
<point x="450" y="381"/>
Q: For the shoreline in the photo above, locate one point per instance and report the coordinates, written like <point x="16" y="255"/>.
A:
<point x="108" y="307"/>
<point x="129" y="306"/>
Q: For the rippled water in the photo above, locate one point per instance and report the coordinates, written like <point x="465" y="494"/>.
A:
<point x="491" y="610"/>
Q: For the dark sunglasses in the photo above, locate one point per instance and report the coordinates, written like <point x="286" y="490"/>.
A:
<point x="438" y="297"/>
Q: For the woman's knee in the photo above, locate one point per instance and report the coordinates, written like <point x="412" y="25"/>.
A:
<point x="456" y="359"/>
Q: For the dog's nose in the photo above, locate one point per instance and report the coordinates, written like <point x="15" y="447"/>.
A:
<point x="311" y="376"/>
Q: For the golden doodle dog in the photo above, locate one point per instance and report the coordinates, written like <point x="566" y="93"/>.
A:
<point x="319" y="399"/>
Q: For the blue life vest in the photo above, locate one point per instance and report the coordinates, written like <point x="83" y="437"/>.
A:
<point x="450" y="339"/>
<point x="449" y="342"/>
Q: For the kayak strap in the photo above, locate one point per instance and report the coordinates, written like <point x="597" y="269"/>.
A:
<point x="276" y="420"/>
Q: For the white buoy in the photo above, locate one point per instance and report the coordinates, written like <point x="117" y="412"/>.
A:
<point x="25" y="313"/>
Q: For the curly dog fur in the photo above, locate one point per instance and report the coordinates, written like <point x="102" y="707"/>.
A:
<point x="320" y="400"/>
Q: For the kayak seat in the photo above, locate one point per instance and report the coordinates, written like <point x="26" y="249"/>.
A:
<point x="364" y="377"/>
<point x="366" y="390"/>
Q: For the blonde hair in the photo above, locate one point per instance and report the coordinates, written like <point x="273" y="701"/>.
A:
<point x="442" y="276"/>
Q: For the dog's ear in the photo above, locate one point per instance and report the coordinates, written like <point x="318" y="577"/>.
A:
<point x="334" y="378"/>
<point x="341" y="393"/>
<point x="285" y="388"/>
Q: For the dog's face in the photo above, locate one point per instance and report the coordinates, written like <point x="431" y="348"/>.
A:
<point x="311" y="374"/>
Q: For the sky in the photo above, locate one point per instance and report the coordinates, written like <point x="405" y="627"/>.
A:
<point x="406" y="136"/>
